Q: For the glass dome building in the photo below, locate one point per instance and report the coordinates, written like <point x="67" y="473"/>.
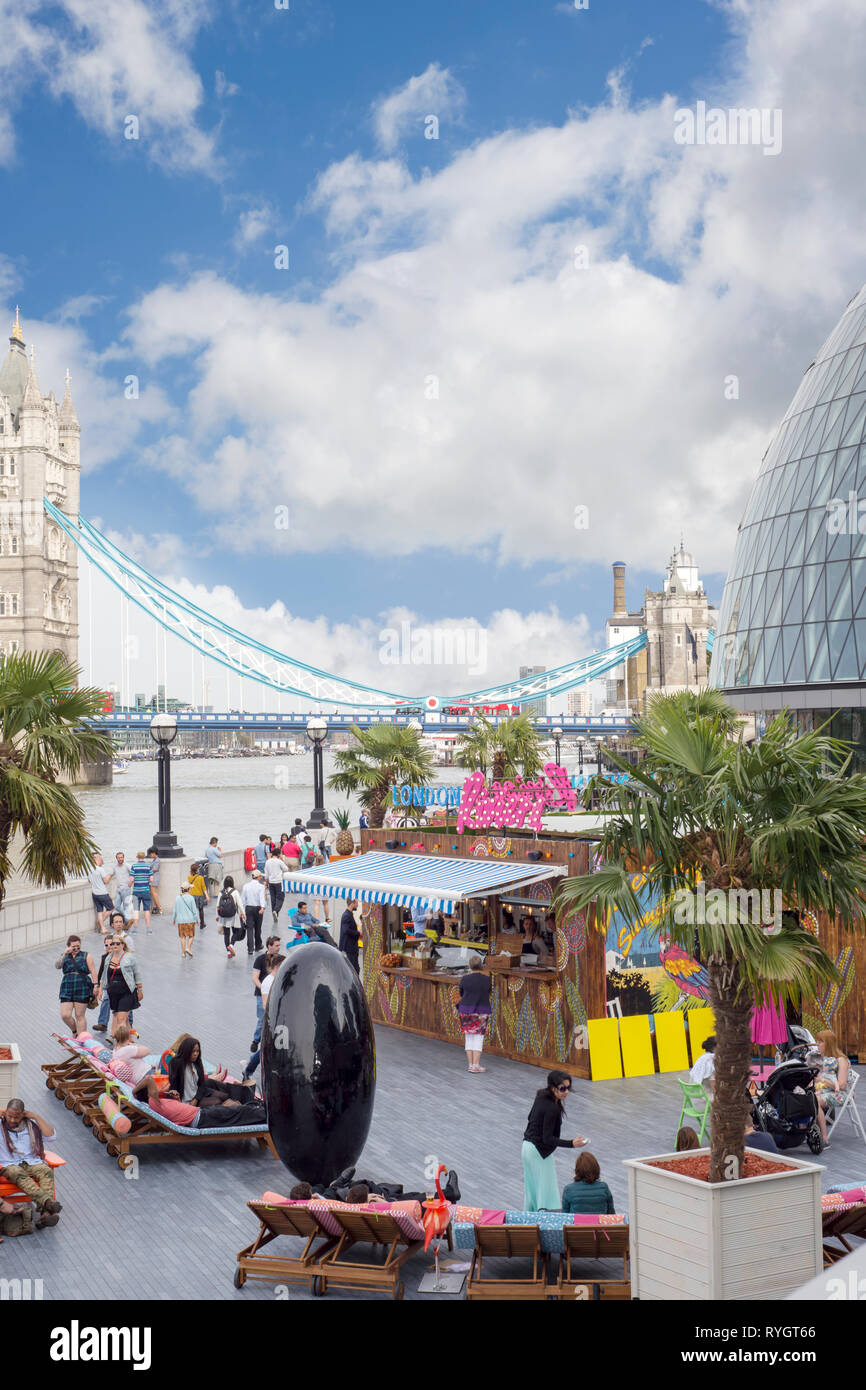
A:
<point x="792" y="624"/>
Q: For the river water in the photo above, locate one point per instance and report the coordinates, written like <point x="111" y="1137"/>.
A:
<point x="235" y="799"/>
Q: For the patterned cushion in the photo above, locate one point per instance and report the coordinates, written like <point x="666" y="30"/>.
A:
<point x="410" y="1228"/>
<point x="123" y="1071"/>
<point x="321" y="1208"/>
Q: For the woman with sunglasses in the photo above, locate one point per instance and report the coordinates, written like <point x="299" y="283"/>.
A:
<point x="120" y="979"/>
<point x="540" y="1142"/>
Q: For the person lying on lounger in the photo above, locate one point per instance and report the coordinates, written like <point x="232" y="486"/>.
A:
<point x="187" y="1077"/>
<point x="169" y="1105"/>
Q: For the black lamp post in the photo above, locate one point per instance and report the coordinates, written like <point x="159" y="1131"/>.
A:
<point x="317" y="732"/>
<point x="598" y="752"/>
<point x="557" y="735"/>
<point x="163" y="731"/>
<point x="580" y="743"/>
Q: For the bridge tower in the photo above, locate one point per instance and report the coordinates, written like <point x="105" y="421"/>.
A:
<point x="39" y="456"/>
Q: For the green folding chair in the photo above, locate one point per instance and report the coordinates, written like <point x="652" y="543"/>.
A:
<point x="696" y="1105"/>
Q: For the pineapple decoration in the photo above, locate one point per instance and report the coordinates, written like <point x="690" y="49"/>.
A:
<point x="345" y="840"/>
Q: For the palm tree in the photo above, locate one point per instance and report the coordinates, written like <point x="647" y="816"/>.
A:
<point x="475" y="746"/>
<point x="510" y="749"/>
<point x="42" y="738"/>
<point x="385" y="756"/>
<point x="703" y="808"/>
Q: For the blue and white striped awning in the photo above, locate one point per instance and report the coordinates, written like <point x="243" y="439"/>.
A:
<point x="417" y="880"/>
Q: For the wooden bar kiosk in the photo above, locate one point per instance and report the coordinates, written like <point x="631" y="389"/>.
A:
<point x="487" y="885"/>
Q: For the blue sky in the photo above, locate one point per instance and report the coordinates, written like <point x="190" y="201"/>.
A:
<point x="305" y="127"/>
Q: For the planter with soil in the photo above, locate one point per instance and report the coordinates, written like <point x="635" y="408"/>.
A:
<point x="10" y="1061"/>
<point x="758" y="1237"/>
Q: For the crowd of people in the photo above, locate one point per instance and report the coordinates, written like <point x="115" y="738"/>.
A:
<point x="111" y="979"/>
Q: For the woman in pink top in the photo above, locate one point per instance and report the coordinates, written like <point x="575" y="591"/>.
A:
<point x="171" y="1107"/>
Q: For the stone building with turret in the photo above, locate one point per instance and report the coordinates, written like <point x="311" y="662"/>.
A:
<point x="39" y="457"/>
<point x="676" y="621"/>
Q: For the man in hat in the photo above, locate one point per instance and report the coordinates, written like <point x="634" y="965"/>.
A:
<point x="253" y="904"/>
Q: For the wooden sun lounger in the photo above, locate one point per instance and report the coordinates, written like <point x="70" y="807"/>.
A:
<point x="148" y="1128"/>
<point x="380" y="1231"/>
<point x="593" y="1243"/>
<point x="256" y="1263"/>
<point x="80" y="1083"/>
<point x="837" y="1225"/>
<point x="507" y="1242"/>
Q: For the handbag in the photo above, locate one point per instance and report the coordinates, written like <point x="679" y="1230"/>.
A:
<point x="239" y="932"/>
<point x="92" y="1003"/>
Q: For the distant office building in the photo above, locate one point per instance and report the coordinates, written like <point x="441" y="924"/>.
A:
<point x="580" y="702"/>
<point x="534" y="708"/>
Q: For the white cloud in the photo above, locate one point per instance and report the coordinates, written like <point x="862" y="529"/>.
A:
<point x="111" y="423"/>
<point x="223" y="87"/>
<point x="472" y="387"/>
<point x="252" y="225"/>
<point x="79" y="307"/>
<point x="434" y="92"/>
<point x="112" y="59"/>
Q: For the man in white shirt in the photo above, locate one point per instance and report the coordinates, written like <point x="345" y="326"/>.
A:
<point x="253" y="904"/>
<point x="703" y="1071"/>
<point x="274" y="880"/>
<point x="100" y="877"/>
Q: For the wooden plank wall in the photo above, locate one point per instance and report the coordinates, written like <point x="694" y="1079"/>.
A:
<point x="848" y="1020"/>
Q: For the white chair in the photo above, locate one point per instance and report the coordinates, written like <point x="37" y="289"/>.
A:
<point x="850" y="1106"/>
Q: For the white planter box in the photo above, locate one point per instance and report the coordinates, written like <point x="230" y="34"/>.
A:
<point x="9" y="1075"/>
<point x="757" y="1238"/>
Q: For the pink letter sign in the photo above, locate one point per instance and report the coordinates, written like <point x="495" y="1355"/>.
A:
<point x="513" y="805"/>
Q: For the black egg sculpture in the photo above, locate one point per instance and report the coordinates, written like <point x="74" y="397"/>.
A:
<point x="318" y="1063"/>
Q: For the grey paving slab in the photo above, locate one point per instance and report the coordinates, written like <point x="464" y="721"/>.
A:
<point x="174" y="1231"/>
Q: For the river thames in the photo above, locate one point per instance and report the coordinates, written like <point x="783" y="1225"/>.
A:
<point x="235" y="799"/>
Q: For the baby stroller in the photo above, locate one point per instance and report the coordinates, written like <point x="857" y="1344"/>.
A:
<point x="787" y="1107"/>
<point x="799" y="1043"/>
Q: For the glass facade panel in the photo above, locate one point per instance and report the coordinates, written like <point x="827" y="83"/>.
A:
<point x="794" y="606"/>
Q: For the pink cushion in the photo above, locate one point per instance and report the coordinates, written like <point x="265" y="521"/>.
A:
<point x="594" y="1219"/>
<point x="123" y="1071"/>
<point x="480" y="1216"/>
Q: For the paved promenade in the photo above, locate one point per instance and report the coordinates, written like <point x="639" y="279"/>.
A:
<point x="174" y="1231"/>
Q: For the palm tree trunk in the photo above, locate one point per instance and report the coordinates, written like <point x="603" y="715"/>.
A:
<point x="5" y="841"/>
<point x="377" y="811"/>
<point x="499" y="765"/>
<point x="730" y="1109"/>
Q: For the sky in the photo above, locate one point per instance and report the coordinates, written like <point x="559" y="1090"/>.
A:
<point x="393" y="313"/>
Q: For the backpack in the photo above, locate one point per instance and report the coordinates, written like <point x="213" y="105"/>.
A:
<point x="226" y="906"/>
<point x="307" y="853"/>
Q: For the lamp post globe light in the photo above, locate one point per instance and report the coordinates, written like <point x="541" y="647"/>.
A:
<point x="317" y="732"/>
<point x="163" y="731"/>
<point x="557" y="735"/>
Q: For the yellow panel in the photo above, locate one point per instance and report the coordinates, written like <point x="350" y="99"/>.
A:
<point x="604" y="1057"/>
<point x="702" y="1024"/>
<point x="671" y="1041"/>
<point x="637" y="1048"/>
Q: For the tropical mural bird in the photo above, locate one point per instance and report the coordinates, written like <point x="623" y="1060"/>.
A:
<point x="686" y="973"/>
